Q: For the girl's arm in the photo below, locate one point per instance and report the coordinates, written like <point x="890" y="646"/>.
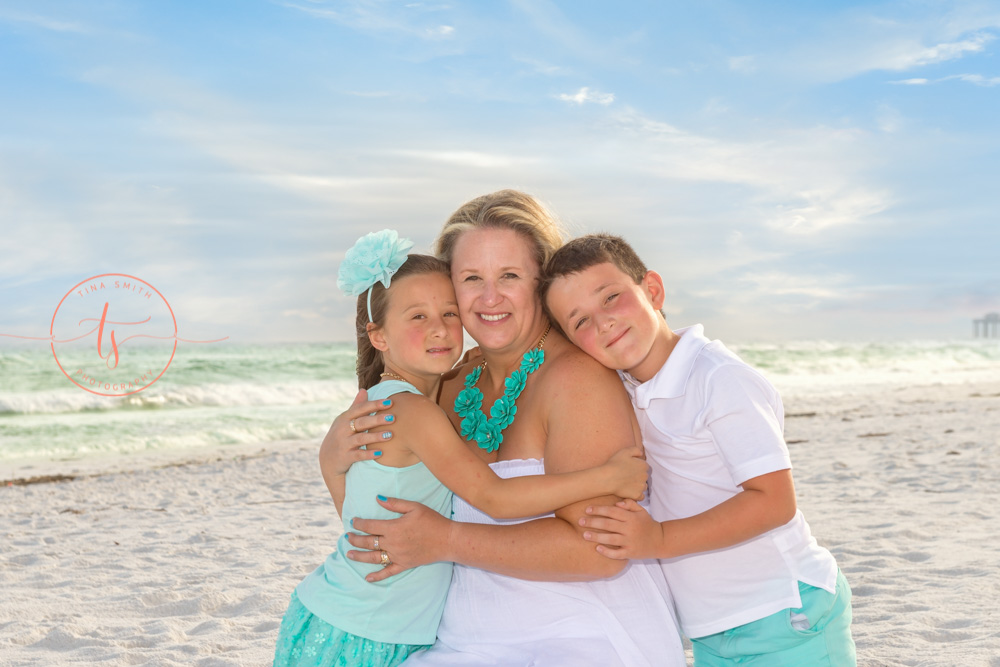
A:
<point x="590" y="418"/>
<point x="429" y="435"/>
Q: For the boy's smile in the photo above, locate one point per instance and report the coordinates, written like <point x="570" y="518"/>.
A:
<point x="614" y="320"/>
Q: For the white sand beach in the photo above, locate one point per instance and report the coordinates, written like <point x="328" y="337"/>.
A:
<point x="192" y="564"/>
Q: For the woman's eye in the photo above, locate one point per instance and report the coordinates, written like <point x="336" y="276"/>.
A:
<point x="470" y="278"/>
<point x="510" y="276"/>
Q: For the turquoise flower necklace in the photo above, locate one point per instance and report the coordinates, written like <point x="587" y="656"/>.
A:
<point x="488" y="432"/>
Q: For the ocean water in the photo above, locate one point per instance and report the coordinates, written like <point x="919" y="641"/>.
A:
<point x="226" y="394"/>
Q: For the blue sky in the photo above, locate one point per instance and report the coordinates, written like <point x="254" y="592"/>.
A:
<point x="794" y="170"/>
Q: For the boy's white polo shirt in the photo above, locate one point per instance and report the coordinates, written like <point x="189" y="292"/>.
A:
<point x="709" y="423"/>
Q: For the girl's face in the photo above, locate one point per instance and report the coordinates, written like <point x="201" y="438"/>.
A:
<point x="422" y="334"/>
<point x="496" y="280"/>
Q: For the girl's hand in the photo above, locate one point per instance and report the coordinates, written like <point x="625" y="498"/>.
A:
<point x="418" y="537"/>
<point x="342" y="445"/>
<point x="628" y="472"/>
<point x="628" y="531"/>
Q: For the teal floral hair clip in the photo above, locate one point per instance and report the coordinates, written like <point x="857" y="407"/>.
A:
<point x="374" y="258"/>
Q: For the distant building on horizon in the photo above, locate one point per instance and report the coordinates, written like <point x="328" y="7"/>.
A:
<point x="990" y="324"/>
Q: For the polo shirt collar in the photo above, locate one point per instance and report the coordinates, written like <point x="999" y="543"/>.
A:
<point x="671" y="379"/>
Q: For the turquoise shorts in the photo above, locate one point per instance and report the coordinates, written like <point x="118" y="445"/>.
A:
<point x="774" y="642"/>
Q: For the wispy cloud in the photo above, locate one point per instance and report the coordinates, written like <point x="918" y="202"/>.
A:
<point x="743" y="64"/>
<point x="542" y="67"/>
<point x="888" y="118"/>
<point x="975" y="79"/>
<point x="474" y="159"/>
<point x="586" y="95"/>
<point x="804" y="179"/>
<point x="902" y="56"/>
<point x="45" y="22"/>
<point x="378" y="17"/>
<point x="862" y="40"/>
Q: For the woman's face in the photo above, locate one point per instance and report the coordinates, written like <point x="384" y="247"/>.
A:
<point x="496" y="279"/>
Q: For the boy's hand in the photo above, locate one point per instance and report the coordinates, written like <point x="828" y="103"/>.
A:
<point x="628" y="472"/>
<point x="628" y="531"/>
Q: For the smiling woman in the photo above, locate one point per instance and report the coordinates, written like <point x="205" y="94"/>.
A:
<point x="522" y="592"/>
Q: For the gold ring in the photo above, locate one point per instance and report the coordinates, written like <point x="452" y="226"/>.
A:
<point x="353" y="429"/>
<point x="385" y="559"/>
<point x="376" y="543"/>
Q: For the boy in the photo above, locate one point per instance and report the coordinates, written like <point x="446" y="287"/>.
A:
<point x="750" y="583"/>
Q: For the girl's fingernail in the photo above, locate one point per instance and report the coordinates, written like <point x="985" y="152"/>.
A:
<point x="390" y="418"/>
<point x="352" y="522"/>
<point x="387" y="402"/>
<point x="377" y="453"/>
<point x="387" y="435"/>
<point x="382" y="498"/>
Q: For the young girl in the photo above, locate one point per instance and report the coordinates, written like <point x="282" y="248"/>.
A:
<point x="410" y="333"/>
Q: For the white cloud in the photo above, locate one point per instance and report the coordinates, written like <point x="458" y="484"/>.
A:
<point x="441" y="31"/>
<point x="778" y="283"/>
<point x="903" y="56"/>
<point x="468" y="158"/>
<point x="44" y="22"/>
<point x="888" y="118"/>
<point x="377" y="17"/>
<point x="542" y="67"/>
<point x="743" y="64"/>
<point x="826" y="207"/>
<point x="585" y="95"/>
<point x="975" y="79"/>
<point x="804" y="180"/>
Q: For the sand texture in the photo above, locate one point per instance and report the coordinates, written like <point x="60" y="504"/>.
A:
<point x="193" y="564"/>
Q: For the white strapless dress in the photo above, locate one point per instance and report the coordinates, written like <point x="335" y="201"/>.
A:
<point x="492" y="619"/>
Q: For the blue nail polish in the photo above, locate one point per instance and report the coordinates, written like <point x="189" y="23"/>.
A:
<point x="352" y="522"/>
<point x="387" y="402"/>
<point x="377" y="453"/>
<point x="387" y="435"/>
<point x="382" y="498"/>
<point x="390" y="418"/>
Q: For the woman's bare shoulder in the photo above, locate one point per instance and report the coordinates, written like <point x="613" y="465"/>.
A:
<point x="571" y="366"/>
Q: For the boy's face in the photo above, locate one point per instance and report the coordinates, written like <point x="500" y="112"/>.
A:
<point x="610" y="317"/>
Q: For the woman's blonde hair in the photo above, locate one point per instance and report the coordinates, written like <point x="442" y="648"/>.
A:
<point x="504" y="209"/>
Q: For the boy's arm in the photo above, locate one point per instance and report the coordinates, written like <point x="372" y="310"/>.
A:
<point x="742" y="422"/>
<point x="766" y="502"/>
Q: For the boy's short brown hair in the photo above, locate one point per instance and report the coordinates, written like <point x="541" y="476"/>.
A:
<point x="586" y="251"/>
<point x="591" y="250"/>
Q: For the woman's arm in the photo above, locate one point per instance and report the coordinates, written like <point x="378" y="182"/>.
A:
<point x="342" y="445"/>
<point x="540" y="550"/>
<point x="590" y="418"/>
<point x="427" y="433"/>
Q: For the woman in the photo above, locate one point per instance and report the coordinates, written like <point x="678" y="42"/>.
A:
<point x="532" y="592"/>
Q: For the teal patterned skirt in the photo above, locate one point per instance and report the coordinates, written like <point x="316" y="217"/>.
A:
<point x="305" y="640"/>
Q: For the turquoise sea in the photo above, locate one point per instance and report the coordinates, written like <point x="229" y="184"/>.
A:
<point x="228" y="394"/>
